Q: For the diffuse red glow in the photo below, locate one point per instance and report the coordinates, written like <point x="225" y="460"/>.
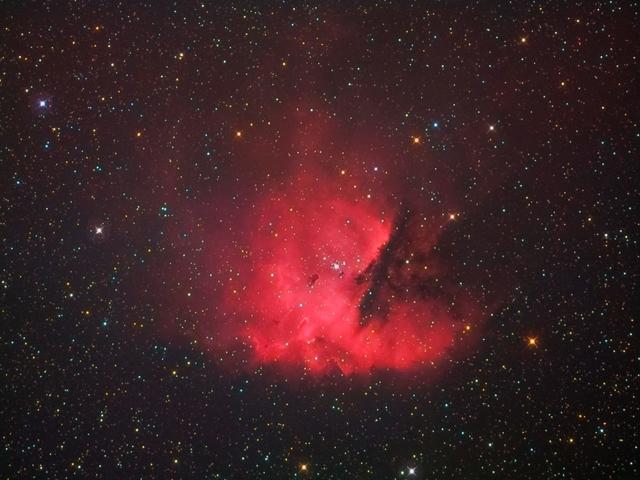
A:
<point x="299" y="288"/>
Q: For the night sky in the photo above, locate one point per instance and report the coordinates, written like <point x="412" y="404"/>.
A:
<point x="283" y="240"/>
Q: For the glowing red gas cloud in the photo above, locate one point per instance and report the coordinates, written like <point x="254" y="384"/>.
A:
<point x="329" y="278"/>
<point x="321" y="253"/>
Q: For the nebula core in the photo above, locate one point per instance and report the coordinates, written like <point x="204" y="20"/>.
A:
<point x="332" y="278"/>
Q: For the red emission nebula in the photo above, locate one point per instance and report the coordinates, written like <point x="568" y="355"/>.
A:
<point x="331" y="278"/>
<point x="327" y="256"/>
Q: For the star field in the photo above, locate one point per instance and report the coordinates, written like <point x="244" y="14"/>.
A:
<point x="331" y="240"/>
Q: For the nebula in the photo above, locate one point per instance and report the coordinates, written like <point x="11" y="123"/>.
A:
<point x="324" y="255"/>
<point x="332" y="278"/>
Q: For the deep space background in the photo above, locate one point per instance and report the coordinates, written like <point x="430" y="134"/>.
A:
<point x="162" y="162"/>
